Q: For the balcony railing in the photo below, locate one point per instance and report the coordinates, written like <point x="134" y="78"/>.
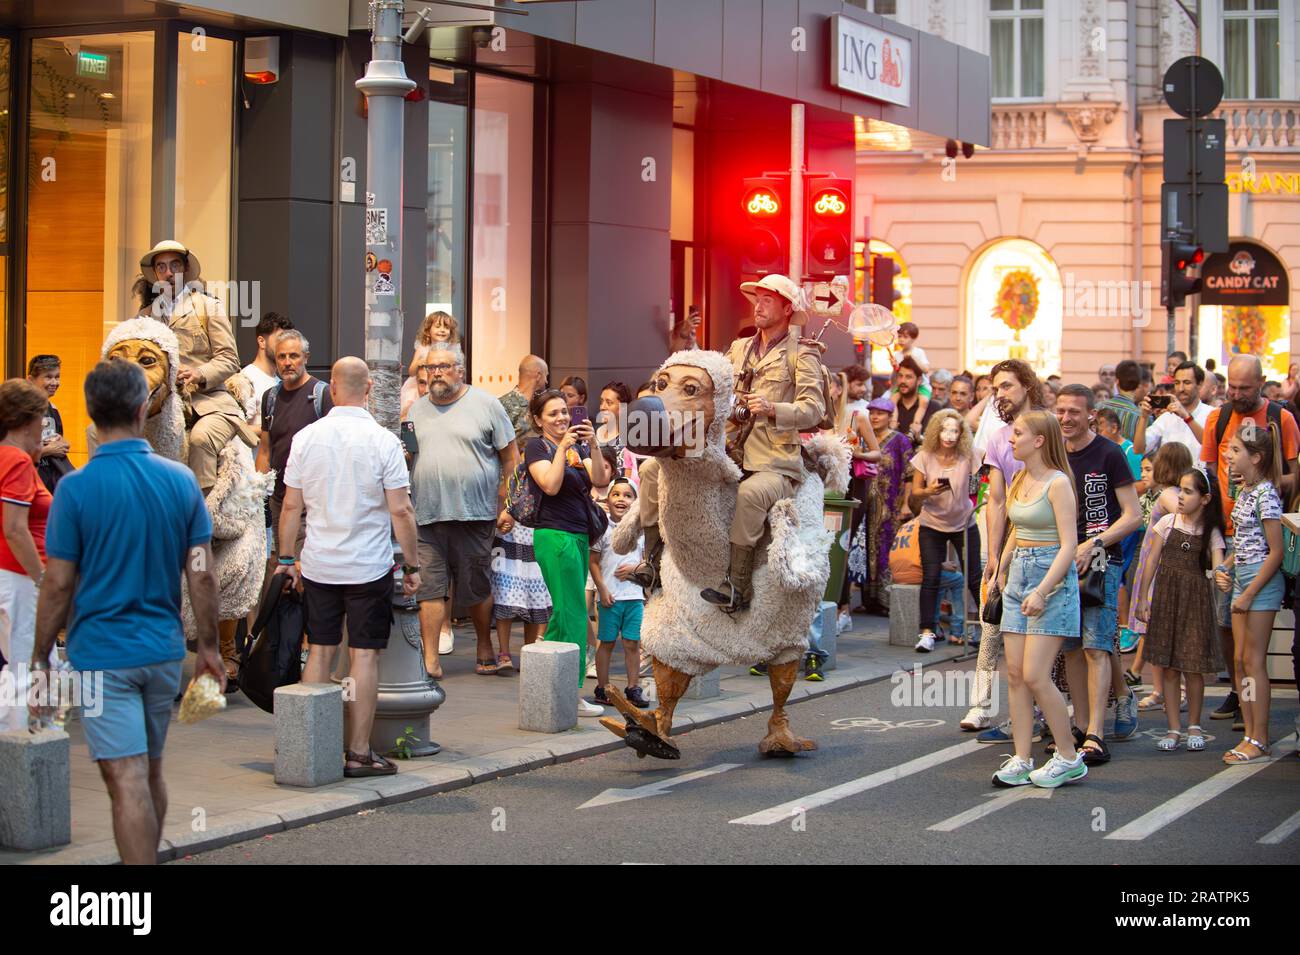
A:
<point x="1019" y="127"/>
<point x="1261" y="124"/>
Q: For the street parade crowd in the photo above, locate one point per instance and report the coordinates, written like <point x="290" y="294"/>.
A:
<point x="1093" y="528"/>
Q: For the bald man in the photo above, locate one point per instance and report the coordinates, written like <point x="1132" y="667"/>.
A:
<point x="1245" y="400"/>
<point x="351" y="476"/>
<point x="533" y="375"/>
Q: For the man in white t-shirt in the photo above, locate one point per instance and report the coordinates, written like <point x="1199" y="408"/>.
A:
<point x="261" y="370"/>
<point x="351" y="476"/>
<point x="859" y="379"/>
<point x="1183" y="421"/>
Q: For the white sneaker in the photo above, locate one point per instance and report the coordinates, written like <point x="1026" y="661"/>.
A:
<point x="976" y="718"/>
<point x="589" y="709"/>
<point x="926" y="643"/>
<point x="1059" y="771"/>
<point x="591" y="670"/>
<point x="446" y="641"/>
<point x="845" y="623"/>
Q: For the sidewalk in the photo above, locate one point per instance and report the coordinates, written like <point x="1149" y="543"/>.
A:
<point x="220" y="772"/>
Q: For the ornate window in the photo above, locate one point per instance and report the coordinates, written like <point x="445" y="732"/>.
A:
<point x="1016" y="48"/>
<point x="1250" y="49"/>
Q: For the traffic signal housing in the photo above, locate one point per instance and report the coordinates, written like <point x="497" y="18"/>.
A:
<point x="764" y="202"/>
<point x="828" y="233"/>
<point x="1177" y="258"/>
<point x="883" y="270"/>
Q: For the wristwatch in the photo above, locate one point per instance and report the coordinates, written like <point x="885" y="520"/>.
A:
<point x="409" y="569"/>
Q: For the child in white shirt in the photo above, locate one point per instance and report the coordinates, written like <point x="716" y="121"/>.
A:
<point x="621" y="601"/>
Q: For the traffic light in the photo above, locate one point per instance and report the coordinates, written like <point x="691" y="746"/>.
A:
<point x="767" y="226"/>
<point x="883" y="270"/>
<point x="828" y="233"/>
<point x="1176" y="258"/>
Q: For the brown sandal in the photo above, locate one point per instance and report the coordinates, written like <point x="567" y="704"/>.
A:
<point x="386" y="767"/>
<point x="486" y="667"/>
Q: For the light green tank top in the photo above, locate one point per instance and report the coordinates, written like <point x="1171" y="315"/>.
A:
<point x="1035" y="520"/>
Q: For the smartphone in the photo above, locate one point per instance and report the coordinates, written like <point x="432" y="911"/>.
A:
<point x="1160" y="402"/>
<point x="408" y="438"/>
<point x="578" y="415"/>
<point x="944" y="482"/>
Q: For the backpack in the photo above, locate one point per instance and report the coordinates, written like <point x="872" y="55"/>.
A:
<point x="270" y="657"/>
<point x="1221" y="425"/>
<point x="523" y="496"/>
<point x="268" y="402"/>
<point x="792" y="353"/>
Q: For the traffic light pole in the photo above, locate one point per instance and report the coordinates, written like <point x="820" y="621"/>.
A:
<point x="796" y="191"/>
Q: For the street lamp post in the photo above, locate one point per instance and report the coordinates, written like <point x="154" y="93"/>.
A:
<point x="406" y="695"/>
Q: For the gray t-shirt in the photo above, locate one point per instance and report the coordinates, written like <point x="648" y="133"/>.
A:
<point x="458" y="468"/>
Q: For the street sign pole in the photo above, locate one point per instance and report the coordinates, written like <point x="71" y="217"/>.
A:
<point x="796" y="190"/>
<point x="384" y="85"/>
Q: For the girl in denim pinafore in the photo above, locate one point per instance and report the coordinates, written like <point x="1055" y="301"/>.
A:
<point x="1040" y="599"/>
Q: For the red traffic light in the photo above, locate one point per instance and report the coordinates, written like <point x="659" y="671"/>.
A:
<point x="828" y="214"/>
<point x="762" y="202"/>
<point x="830" y="203"/>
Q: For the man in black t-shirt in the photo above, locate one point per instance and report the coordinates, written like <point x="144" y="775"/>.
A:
<point x="1108" y="512"/>
<point x="287" y="408"/>
<point x="910" y="400"/>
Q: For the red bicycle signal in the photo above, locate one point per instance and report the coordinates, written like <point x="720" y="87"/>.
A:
<point x="762" y="202"/>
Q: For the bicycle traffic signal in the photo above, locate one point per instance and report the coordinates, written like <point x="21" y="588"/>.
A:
<point x="767" y="226"/>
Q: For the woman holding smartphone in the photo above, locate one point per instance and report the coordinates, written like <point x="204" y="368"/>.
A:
<point x="941" y="476"/>
<point x="563" y="467"/>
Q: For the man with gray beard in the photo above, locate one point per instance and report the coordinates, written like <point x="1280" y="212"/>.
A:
<point x="465" y="454"/>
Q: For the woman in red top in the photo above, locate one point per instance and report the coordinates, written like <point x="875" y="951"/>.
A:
<point x="26" y="507"/>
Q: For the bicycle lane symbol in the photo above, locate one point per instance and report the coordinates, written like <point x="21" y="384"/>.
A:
<point x="872" y="724"/>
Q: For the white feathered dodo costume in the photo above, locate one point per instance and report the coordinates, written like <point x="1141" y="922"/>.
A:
<point x="237" y="499"/>
<point x="683" y="634"/>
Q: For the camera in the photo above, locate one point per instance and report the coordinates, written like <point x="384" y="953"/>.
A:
<point x="1160" y="402"/>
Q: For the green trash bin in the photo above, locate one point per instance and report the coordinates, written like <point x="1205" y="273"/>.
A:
<point x="837" y="515"/>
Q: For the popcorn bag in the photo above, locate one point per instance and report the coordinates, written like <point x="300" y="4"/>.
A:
<point x="202" y="699"/>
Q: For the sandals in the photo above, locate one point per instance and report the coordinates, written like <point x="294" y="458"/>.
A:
<point x="504" y="662"/>
<point x="1152" y="701"/>
<point x="1094" y="755"/>
<point x="486" y="667"/>
<point x="1195" y="738"/>
<point x="1172" y="741"/>
<point x="1078" y="740"/>
<point x="1235" y="757"/>
<point x="386" y="767"/>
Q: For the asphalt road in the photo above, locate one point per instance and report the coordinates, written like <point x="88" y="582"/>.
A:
<point x="912" y="788"/>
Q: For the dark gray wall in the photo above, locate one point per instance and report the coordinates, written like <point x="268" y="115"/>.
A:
<point x="748" y="43"/>
<point x="610" y="249"/>
<point x="285" y="192"/>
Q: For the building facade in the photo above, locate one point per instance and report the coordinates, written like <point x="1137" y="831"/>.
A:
<point x="1047" y="244"/>
<point x="572" y="171"/>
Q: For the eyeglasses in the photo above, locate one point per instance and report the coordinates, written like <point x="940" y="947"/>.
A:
<point x="438" y="369"/>
<point x="166" y="267"/>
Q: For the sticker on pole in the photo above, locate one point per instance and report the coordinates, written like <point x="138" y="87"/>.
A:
<point x="827" y="298"/>
<point x="383" y="284"/>
<point x="376" y="227"/>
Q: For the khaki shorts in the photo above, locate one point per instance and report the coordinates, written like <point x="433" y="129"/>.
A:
<point x="459" y="553"/>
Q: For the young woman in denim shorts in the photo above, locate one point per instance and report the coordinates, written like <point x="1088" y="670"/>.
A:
<point x="1252" y="575"/>
<point x="1040" y="599"/>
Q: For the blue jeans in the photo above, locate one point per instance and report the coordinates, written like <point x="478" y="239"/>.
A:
<point x="951" y="585"/>
<point x="1100" y="630"/>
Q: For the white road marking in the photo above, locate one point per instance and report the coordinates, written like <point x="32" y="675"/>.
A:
<point x="610" y="796"/>
<point x="1198" y="795"/>
<point x="1282" y="832"/>
<point x="995" y="802"/>
<point x="827" y="796"/>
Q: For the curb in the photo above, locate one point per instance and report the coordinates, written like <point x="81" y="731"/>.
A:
<point x="305" y="807"/>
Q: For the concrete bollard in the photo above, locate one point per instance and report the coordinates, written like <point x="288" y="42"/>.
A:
<point x="35" y="790"/>
<point x="827" y="632"/>
<point x="704" y="687"/>
<point x="904" y="614"/>
<point x="548" y="687"/>
<point x="308" y="734"/>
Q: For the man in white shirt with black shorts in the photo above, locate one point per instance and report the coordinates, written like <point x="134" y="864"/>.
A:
<point x="351" y="475"/>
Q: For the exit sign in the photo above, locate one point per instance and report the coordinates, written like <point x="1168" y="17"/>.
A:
<point x="92" y="64"/>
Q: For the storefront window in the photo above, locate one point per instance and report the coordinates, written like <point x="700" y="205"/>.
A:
<point x="501" y="230"/>
<point x="204" y="122"/>
<point x="1244" y="308"/>
<point x="1014" y="307"/>
<point x="444" y="277"/>
<point x="89" y="177"/>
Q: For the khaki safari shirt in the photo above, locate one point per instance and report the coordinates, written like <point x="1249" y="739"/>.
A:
<point x="207" y="345"/>
<point x="773" y="443"/>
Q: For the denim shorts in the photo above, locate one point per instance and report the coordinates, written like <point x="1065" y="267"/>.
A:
<point x="623" y="619"/>
<point x="1100" y="629"/>
<point x="137" y="706"/>
<point x="1060" y="618"/>
<point x="1269" y="596"/>
<point x="1222" y="601"/>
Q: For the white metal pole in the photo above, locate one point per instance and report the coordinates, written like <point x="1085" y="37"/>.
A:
<point x="796" y="191"/>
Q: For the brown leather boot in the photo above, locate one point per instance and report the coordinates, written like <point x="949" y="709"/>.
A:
<point x="229" y="654"/>
<point x="647" y="572"/>
<point x="737" y="590"/>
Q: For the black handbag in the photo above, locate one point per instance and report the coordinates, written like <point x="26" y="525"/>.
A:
<point x="1092" y="587"/>
<point x="992" y="612"/>
<point x="271" y="656"/>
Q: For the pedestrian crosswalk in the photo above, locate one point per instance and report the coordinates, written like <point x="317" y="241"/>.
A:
<point x="1143" y="827"/>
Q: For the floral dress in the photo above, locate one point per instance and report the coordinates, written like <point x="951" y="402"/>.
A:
<point x="869" y="556"/>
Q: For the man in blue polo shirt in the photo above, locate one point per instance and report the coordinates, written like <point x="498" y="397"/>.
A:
<point x="121" y="531"/>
